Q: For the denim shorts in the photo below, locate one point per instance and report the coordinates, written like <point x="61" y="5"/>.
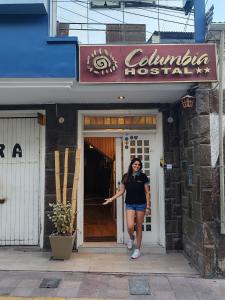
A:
<point x="137" y="207"/>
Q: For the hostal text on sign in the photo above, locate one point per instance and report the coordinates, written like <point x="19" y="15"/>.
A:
<point x="156" y="64"/>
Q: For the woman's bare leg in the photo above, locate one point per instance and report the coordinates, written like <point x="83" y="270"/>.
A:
<point x="130" y="216"/>
<point x="139" y="221"/>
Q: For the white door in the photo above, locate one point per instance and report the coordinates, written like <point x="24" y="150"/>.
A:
<point x="142" y="146"/>
<point x="19" y="181"/>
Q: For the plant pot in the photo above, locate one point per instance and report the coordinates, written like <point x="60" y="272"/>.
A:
<point x="62" y="246"/>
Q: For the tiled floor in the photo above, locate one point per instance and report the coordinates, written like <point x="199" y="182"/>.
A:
<point x="173" y="263"/>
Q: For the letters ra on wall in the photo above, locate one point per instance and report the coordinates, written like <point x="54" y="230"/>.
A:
<point x="148" y="63"/>
<point x="16" y="151"/>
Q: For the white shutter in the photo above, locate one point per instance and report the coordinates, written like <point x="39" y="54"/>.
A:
<point x="19" y="182"/>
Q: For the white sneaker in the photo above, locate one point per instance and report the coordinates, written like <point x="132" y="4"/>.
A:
<point x="130" y="244"/>
<point x="136" y="254"/>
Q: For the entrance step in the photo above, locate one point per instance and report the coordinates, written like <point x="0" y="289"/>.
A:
<point x="113" y="247"/>
<point x="102" y="247"/>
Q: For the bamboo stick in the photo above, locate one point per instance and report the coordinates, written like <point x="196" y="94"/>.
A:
<point x="65" y="176"/>
<point x="57" y="177"/>
<point x="74" y="190"/>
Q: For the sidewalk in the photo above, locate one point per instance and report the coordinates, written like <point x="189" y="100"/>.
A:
<point x="102" y="276"/>
<point x="76" y="285"/>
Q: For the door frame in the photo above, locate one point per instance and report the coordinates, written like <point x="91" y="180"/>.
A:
<point x="81" y="133"/>
<point x="41" y="212"/>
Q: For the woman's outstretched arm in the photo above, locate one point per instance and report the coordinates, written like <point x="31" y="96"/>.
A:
<point x="118" y="194"/>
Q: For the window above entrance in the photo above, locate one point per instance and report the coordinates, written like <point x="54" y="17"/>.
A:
<point x="119" y="122"/>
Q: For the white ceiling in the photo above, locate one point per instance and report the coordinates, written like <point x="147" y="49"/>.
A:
<point x="46" y="91"/>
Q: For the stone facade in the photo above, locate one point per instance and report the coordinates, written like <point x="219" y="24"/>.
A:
<point x="196" y="177"/>
<point x="216" y="236"/>
<point x="192" y="204"/>
<point x="58" y="137"/>
<point x="192" y="198"/>
<point x="173" y="208"/>
<point x="202" y="241"/>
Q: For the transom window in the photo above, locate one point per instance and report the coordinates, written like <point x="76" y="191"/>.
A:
<point x="119" y="122"/>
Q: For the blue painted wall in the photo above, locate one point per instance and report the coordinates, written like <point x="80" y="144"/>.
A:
<point x="26" y="51"/>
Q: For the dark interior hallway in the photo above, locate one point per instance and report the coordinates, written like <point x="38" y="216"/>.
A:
<point x="99" y="220"/>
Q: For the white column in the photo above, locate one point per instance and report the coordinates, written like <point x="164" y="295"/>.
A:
<point x="52" y="17"/>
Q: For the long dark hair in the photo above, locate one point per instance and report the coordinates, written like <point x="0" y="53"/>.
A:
<point x="130" y="170"/>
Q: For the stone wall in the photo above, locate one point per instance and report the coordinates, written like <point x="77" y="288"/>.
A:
<point x="199" y="186"/>
<point x="219" y="239"/>
<point x="173" y="208"/>
<point x="58" y="137"/>
<point x="192" y="186"/>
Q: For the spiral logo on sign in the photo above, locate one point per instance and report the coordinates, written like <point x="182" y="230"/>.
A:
<point x="101" y="62"/>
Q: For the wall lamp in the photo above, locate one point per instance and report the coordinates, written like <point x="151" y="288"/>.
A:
<point x="187" y="101"/>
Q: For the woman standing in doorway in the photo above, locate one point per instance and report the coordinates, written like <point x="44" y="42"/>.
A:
<point x="136" y="185"/>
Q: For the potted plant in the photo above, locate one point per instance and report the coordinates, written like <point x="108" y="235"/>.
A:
<point x="63" y="214"/>
<point x="62" y="239"/>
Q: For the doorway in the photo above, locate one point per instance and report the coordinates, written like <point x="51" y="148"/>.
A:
<point x="134" y="133"/>
<point x="99" y="183"/>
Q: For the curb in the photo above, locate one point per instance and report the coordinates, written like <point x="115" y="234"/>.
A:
<point x="51" y="298"/>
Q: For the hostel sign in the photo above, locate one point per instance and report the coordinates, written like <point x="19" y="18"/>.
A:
<point x="148" y="63"/>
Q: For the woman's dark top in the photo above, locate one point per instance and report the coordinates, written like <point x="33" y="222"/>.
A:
<point x="135" y="188"/>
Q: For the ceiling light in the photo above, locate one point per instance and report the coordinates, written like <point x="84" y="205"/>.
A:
<point x="121" y="97"/>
